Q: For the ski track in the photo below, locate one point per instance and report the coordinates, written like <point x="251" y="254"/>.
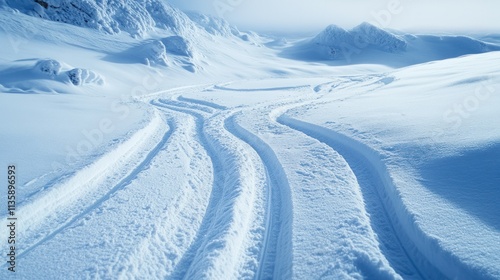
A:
<point x="119" y="186"/>
<point x="201" y="102"/>
<point x="233" y="223"/>
<point x="260" y="89"/>
<point x="174" y="231"/>
<point x="277" y="241"/>
<point x="65" y="202"/>
<point x="245" y="230"/>
<point x="403" y="254"/>
<point x="183" y="265"/>
<point x="276" y="186"/>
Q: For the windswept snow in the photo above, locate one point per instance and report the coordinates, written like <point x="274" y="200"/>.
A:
<point x="191" y="150"/>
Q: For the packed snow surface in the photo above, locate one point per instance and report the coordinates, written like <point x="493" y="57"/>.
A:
<point x="182" y="148"/>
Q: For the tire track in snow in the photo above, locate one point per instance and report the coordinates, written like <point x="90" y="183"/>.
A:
<point x="332" y="237"/>
<point x="187" y="188"/>
<point x="197" y="107"/>
<point x="277" y="238"/>
<point x="276" y="245"/>
<point x="401" y="252"/>
<point x="201" y="102"/>
<point x="223" y="247"/>
<point x="217" y="189"/>
<point x="117" y="187"/>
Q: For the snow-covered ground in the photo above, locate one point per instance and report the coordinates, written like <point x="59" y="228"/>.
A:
<point x="153" y="144"/>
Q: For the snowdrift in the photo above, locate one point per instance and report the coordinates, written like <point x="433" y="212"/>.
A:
<point x="45" y="75"/>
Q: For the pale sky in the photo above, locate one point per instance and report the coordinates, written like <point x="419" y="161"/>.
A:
<point x="313" y="15"/>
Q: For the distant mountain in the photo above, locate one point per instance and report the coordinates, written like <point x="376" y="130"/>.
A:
<point x="367" y="43"/>
<point x="336" y="40"/>
<point x="366" y="34"/>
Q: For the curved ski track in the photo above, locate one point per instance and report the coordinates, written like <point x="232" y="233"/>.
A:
<point x="266" y="250"/>
<point x="404" y="257"/>
<point x="245" y="230"/>
<point x="82" y="188"/>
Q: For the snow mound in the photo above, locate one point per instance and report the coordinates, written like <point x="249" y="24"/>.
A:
<point x="48" y="67"/>
<point x="150" y="52"/>
<point x="179" y="46"/>
<point x="154" y="53"/>
<point x="44" y="76"/>
<point x="80" y="76"/>
<point x="337" y="41"/>
<point x="112" y="16"/>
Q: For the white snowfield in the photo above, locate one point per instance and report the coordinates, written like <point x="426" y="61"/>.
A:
<point x="218" y="157"/>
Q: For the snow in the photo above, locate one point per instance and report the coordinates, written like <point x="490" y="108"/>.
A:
<point x="155" y="144"/>
<point x="114" y="16"/>
<point x="367" y="43"/>
<point x="214" y="25"/>
<point x="179" y="46"/>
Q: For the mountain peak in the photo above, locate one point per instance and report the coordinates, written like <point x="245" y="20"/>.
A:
<point x="361" y="36"/>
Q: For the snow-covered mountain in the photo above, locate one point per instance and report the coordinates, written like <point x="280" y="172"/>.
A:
<point x="134" y="17"/>
<point x="365" y="35"/>
<point x="367" y="43"/>
<point x="160" y="35"/>
<point x="112" y="16"/>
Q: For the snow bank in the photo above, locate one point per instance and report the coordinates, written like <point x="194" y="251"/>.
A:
<point x="49" y="67"/>
<point x="154" y="53"/>
<point x="80" y="76"/>
<point x="77" y="76"/>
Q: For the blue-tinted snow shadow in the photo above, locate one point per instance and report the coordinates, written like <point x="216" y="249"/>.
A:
<point x="133" y="55"/>
<point x="27" y="80"/>
<point x="470" y="180"/>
